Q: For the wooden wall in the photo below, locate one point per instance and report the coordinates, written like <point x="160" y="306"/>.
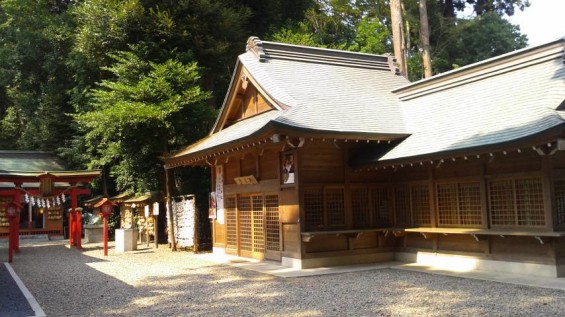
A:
<point x="325" y="165"/>
<point x="264" y="164"/>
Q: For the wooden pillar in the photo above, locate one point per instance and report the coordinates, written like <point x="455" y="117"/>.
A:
<point x="76" y="227"/>
<point x="105" y="234"/>
<point x="11" y="240"/>
<point x="548" y="197"/>
<point x="169" y="208"/>
<point x="71" y="228"/>
<point x="79" y="229"/>
<point x="156" y="229"/>
<point x="17" y="200"/>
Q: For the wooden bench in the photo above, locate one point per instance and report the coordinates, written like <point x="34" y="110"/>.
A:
<point x="477" y="233"/>
<point x="352" y="233"/>
<point x="426" y="231"/>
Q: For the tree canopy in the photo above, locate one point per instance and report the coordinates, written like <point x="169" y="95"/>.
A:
<point x="113" y="84"/>
<point x="143" y="111"/>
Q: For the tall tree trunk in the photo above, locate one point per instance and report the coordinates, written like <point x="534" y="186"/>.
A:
<point x="398" y="35"/>
<point x="425" y="38"/>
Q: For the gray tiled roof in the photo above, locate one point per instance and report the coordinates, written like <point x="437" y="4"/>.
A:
<point x="322" y="90"/>
<point x="30" y="161"/>
<point x="501" y="100"/>
<point x="516" y="100"/>
<point x="329" y="90"/>
<point x="240" y="130"/>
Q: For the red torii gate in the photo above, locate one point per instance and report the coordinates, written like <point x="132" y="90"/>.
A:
<point x="46" y="182"/>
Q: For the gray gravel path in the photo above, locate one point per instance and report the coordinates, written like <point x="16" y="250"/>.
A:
<point x="157" y="282"/>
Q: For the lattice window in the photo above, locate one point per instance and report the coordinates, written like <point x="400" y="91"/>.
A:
<point x="559" y="189"/>
<point x="381" y="207"/>
<point x="529" y="202"/>
<point x="272" y="226"/>
<point x="231" y="223"/>
<point x="420" y="198"/>
<point x="516" y="202"/>
<point x="470" y="204"/>
<point x="447" y="204"/>
<point x="314" y="208"/>
<point x="245" y="223"/>
<point x="501" y="194"/>
<point x="361" y="207"/>
<point x="258" y="224"/>
<point x="459" y="204"/>
<point x="402" y="206"/>
<point x="335" y="209"/>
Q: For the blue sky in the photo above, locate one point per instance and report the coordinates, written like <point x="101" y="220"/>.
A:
<point x="543" y="21"/>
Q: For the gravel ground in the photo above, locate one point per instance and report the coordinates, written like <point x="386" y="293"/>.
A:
<point x="157" y="282"/>
<point x="12" y="301"/>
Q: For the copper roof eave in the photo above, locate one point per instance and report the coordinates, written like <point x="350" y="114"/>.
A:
<point x="525" y="142"/>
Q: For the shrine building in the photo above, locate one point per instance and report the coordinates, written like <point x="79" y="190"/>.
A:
<point x="41" y="185"/>
<point x="322" y="157"/>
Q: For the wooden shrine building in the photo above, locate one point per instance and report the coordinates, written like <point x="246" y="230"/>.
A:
<point x="323" y="157"/>
<point x="39" y="182"/>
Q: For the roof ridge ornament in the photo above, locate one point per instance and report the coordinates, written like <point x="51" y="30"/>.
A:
<point x="255" y="45"/>
<point x="393" y="64"/>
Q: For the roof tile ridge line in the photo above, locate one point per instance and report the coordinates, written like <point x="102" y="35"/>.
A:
<point x="317" y="53"/>
<point x="255" y="45"/>
<point x="507" y="58"/>
<point x="323" y="49"/>
<point x="321" y="57"/>
<point x="349" y="63"/>
<point x="454" y="82"/>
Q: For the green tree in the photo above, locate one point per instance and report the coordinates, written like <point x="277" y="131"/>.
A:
<point x="486" y="36"/>
<point x="146" y="110"/>
<point x="34" y="41"/>
<point x="449" y="8"/>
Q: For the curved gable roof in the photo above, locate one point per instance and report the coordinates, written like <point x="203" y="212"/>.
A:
<point x="315" y="90"/>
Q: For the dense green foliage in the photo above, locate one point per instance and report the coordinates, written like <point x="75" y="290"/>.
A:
<point x="364" y="25"/>
<point x="112" y="84"/>
<point x="143" y="111"/>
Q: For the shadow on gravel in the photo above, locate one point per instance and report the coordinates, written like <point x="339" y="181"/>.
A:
<point x="225" y="290"/>
<point x="67" y="282"/>
<point x="64" y="285"/>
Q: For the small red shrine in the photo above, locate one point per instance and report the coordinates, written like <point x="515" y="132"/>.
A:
<point x="40" y="184"/>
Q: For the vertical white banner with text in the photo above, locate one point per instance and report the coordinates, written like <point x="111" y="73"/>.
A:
<point x="220" y="193"/>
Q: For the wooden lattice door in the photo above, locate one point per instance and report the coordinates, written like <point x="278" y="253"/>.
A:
<point x="258" y="229"/>
<point x="231" y="225"/>
<point x="272" y="228"/>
